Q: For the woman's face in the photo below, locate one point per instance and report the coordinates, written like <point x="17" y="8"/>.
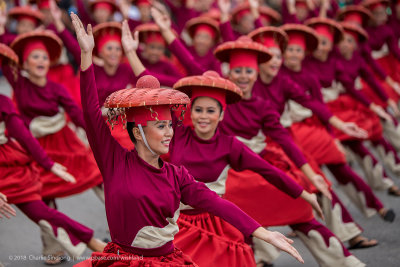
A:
<point x="159" y="135"/>
<point x="246" y="24"/>
<point x="153" y="52"/>
<point x="271" y="67"/>
<point x="325" y="46"/>
<point x="293" y="56"/>
<point x="24" y="26"/>
<point x="347" y="46"/>
<point x="202" y="43"/>
<point x="101" y="15"/>
<point x="37" y="64"/>
<point x="301" y="13"/>
<point x="111" y="53"/>
<point x="244" y="78"/>
<point x="144" y="11"/>
<point x="206" y="113"/>
<point x="380" y="15"/>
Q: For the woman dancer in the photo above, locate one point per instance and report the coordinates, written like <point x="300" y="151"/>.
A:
<point x="152" y="221"/>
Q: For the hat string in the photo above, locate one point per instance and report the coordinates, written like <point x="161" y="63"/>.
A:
<point x="144" y="139"/>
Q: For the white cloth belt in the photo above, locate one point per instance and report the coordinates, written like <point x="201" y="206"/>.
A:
<point x="43" y="125"/>
<point x="3" y="138"/>
<point x="219" y="186"/>
<point x="384" y="51"/>
<point x="294" y="112"/>
<point x="256" y="144"/>
<point x="330" y="94"/>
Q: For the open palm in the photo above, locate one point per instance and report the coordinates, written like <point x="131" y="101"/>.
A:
<point x="85" y="40"/>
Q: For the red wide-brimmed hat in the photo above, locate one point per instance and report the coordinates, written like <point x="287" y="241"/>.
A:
<point x="266" y="13"/>
<point x="104" y="32"/>
<point x="372" y="4"/>
<point x="356" y="31"/>
<point x="26" y="12"/>
<point x="142" y="2"/>
<point x="203" y="23"/>
<point x="210" y="84"/>
<point x="146" y="102"/>
<point x="243" y="50"/>
<point x="213" y="13"/>
<point x="106" y="4"/>
<point x="47" y="39"/>
<point x="301" y="35"/>
<point x="270" y="36"/>
<point x="327" y="28"/>
<point x="7" y="54"/>
<point x="355" y="13"/>
<point x="149" y="32"/>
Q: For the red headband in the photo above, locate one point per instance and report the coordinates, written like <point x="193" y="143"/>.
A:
<point x="143" y="3"/>
<point x="376" y="5"/>
<point x="243" y="58"/>
<point x="241" y="14"/>
<point x="296" y="38"/>
<point x="154" y="37"/>
<point x="267" y="41"/>
<point x="205" y="28"/>
<point x="301" y="4"/>
<point x="103" y="5"/>
<point x="107" y="37"/>
<point x="26" y="17"/>
<point x="33" y="45"/>
<point x="141" y="115"/>
<point x="324" y="30"/>
<point x="353" y="17"/>
<point x="44" y="4"/>
<point x="354" y="34"/>
<point x="217" y="94"/>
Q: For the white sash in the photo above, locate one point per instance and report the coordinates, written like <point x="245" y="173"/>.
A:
<point x="43" y="125"/>
<point x="330" y="94"/>
<point x="294" y="112"/>
<point x="256" y="144"/>
<point x="3" y="138"/>
<point x="384" y="51"/>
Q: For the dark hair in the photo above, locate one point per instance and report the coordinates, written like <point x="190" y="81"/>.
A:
<point x="219" y="104"/>
<point x="129" y="128"/>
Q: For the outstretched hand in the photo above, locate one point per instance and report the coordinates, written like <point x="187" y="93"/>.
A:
<point x="279" y="241"/>
<point x="85" y="40"/>
<point x="61" y="172"/>
<point x="351" y="129"/>
<point x="312" y="200"/>
<point x="129" y="43"/>
<point x="5" y="209"/>
<point x="319" y="182"/>
<point x="162" y="20"/>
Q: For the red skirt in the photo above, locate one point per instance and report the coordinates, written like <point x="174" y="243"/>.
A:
<point x="65" y="148"/>
<point x="114" y="255"/>
<point x="263" y="201"/>
<point x="350" y="110"/>
<point x="19" y="179"/>
<point x="312" y="136"/>
<point x="211" y="241"/>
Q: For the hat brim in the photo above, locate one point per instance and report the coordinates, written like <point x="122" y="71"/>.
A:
<point x="192" y="24"/>
<point x="223" y="51"/>
<point x="362" y="34"/>
<point x="279" y="35"/>
<point x="338" y="31"/>
<point x="7" y="54"/>
<point x="311" y="37"/>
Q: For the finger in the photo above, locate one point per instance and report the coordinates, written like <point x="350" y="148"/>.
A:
<point x="136" y="36"/>
<point x="5" y="214"/>
<point x="10" y="210"/>
<point x="290" y="241"/>
<point x="90" y="30"/>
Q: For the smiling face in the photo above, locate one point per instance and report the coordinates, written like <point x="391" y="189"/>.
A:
<point x="293" y="56"/>
<point x="158" y="135"/>
<point x="111" y="53"/>
<point x="153" y="52"/>
<point x="271" y="67"/>
<point x="37" y="64"/>
<point x="325" y="46"/>
<point x="206" y="113"/>
<point x="347" y="46"/>
<point x="202" y="42"/>
<point x="244" y="78"/>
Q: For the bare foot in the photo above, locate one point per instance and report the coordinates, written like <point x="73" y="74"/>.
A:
<point x="96" y="245"/>
<point x="387" y="214"/>
<point x="55" y="259"/>
<point x="394" y="191"/>
<point x="361" y="242"/>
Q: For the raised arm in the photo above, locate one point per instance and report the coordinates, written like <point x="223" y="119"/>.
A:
<point x="225" y="26"/>
<point x="130" y="46"/>
<point x="199" y="196"/>
<point x="105" y="148"/>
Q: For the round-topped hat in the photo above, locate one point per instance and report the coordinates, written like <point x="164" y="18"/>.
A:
<point x="269" y="15"/>
<point x="270" y="36"/>
<point x="105" y="4"/>
<point x="372" y="4"/>
<point x="213" y="13"/>
<point x="25" y="43"/>
<point x="26" y="12"/>
<point x="327" y="28"/>
<point x="242" y="53"/>
<point x="301" y="35"/>
<point x="142" y="2"/>
<point x="359" y="34"/>
<point x="203" y="23"/>
<point x="7" y="54"/>
<point x="150" y="32"/>
<point x="210" y="84"/>
<point x="146" y="102"/>
<point x="105" y="32"/>
<point x="356" y="14"/>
